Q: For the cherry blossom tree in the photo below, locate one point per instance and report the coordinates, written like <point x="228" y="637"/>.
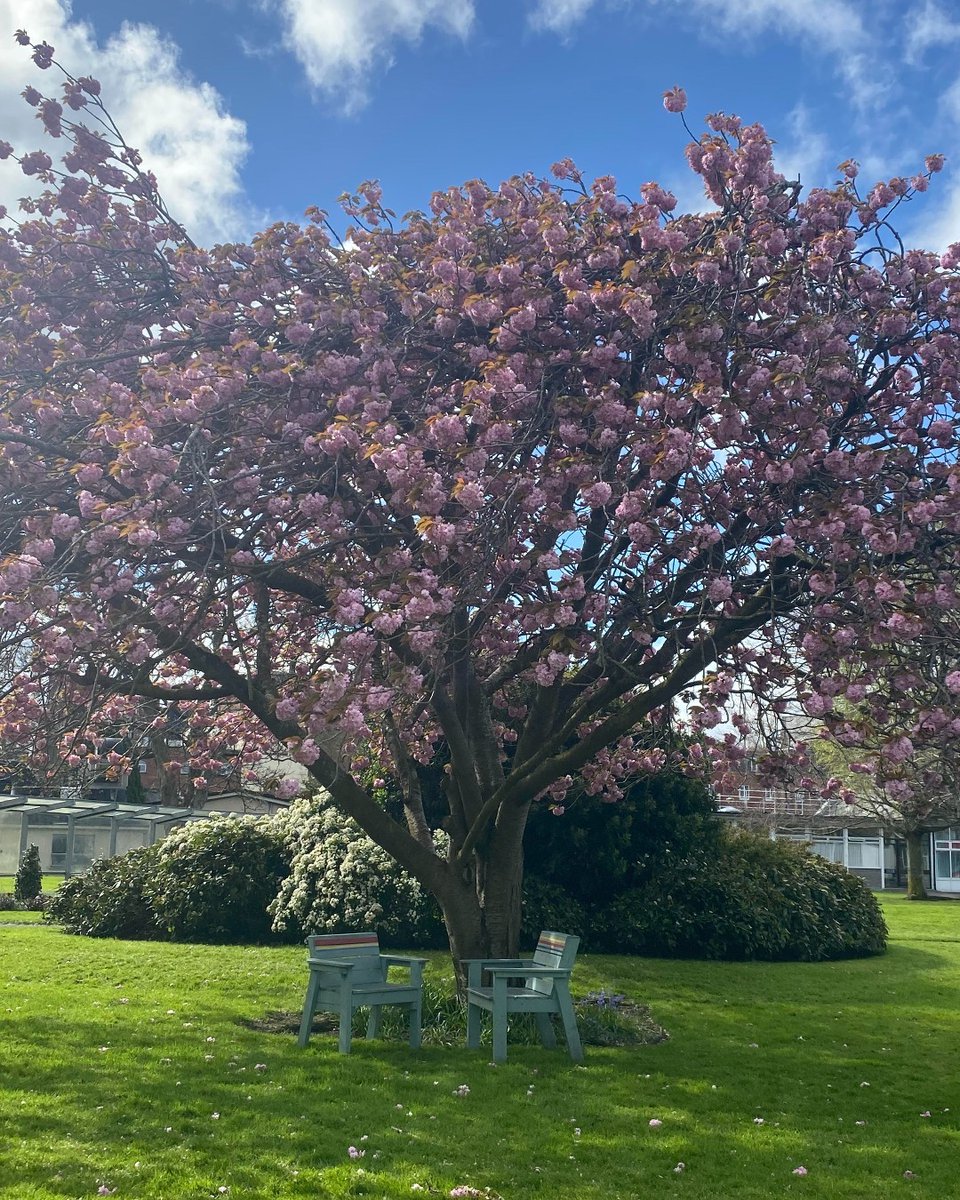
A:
<point x="890" y="740"/>
<point x="511" y="476"/>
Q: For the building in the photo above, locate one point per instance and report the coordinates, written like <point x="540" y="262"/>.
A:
<point x="839" y="832"/>
<point x="72" y="830"/>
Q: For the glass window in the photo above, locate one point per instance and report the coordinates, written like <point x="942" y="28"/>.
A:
<point x="831" y="848"/>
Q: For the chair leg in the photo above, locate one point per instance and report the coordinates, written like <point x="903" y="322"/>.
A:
<point x="313" y="987"/>
<point x="473" y="1026"/>
<point x="545" y="1029"/>
<point x="569" y="1018"/>
<point x="499" y="1033"/>
<point x="415" y="1015"/>
<point x="346" y="1021"/>
<point x="373" y="1021"/>
<point x="499" y="1018"/>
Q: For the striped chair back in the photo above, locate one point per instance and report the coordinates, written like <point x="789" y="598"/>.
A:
<point x="362" y="949"/>
<point x="553" y="950"/>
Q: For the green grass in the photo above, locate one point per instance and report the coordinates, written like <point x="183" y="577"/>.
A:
<point x="126" y="1065"/>
<point x="50" y="882"/>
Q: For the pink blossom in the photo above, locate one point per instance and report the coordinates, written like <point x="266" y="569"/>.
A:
<point x="801" y="1170"/>
<point x="675" y="100"/>
<point x="288" y="787"/>
<point x="307" y="752"/>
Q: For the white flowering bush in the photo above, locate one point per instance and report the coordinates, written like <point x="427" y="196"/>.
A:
<point x="341" y="880"/>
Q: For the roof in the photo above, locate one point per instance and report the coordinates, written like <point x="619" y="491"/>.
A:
<point x="79" y="809"/>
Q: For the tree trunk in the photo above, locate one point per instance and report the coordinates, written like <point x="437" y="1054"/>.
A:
<point x="916" y="889"/>
<point x="482" y="908"/>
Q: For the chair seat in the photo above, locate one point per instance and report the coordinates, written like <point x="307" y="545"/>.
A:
<point x="520" y="999"/>
<point x="389" y="993"/>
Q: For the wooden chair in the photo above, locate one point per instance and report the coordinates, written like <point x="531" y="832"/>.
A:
<point x="347" y="971"/>
<point x="545" y="990"/>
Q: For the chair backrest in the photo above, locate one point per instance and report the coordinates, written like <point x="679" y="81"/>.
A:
<point x="362" y="949"/>
<point x="553" y="950"/>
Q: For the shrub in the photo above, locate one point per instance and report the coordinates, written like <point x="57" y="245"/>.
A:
<point x="29" y="881"/>
<point x="341" y="880"/>
<point x="7" y="902"/>
<point x="756" y="899"/>
<point x="213" y="880"/>
<point x="592" y="851"/>
<point x="109" y="899"/>
<point x="549" y="906"/>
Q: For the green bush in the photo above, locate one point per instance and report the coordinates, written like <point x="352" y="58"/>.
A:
<point x="209" y="881"/>
<point x="593" y="850"/>
<point x="341" y="880"/>
<point x="549" y="906"/>
<point x="213" y="880"/>
<point x="754" y="899"/>
<point x="29" y="881"/>
<point x="109" y="899"/>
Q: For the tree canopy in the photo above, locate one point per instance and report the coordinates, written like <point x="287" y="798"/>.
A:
<point x="511" y="476"/>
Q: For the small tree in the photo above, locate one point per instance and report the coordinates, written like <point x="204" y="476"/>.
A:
<point x="29" y="881"/>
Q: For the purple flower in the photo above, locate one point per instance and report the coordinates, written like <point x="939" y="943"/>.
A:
<point x="355" y="1153"/>
<point x="801" y="1170"/>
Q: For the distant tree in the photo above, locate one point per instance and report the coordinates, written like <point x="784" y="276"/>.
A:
<point x="511" y="476"/>
<point x="891" y="739"/>
<point x="135" y="792"/>
<point x="28" y="883"/>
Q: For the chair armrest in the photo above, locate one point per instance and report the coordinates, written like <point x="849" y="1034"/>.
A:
<point x="341" y="966"/>
<point x="415" y="965"/>
<point x="532" y="972"/>
<point x="496" y="962"/>
<point x="476" y="967"/>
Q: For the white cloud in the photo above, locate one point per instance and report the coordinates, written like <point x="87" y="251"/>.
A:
<point x="938" y="224"/>
<point x="559" y="16"/>
<point x="340" y="43"/>
<point x="926" y="27"/>
<point x="805" y="153"/>
<point x="830" y="26"/>
<point x="181" y="126"/>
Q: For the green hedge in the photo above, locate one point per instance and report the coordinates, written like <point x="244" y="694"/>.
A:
<point x="719" y="894"/>
<point x="109" y="899"/>
<point x="755" y="899"/>
<point x="209" y="881"/>
<point x="213" y="880"/>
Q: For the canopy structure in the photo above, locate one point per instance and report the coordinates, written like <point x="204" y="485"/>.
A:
<point x="73" y="831"/>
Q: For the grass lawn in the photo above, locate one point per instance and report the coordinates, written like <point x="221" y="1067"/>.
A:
<point x="50" y="882"/>
<point x="126" y="1066"/>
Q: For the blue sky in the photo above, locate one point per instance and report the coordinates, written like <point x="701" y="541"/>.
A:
<point x="251" y="110"/>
